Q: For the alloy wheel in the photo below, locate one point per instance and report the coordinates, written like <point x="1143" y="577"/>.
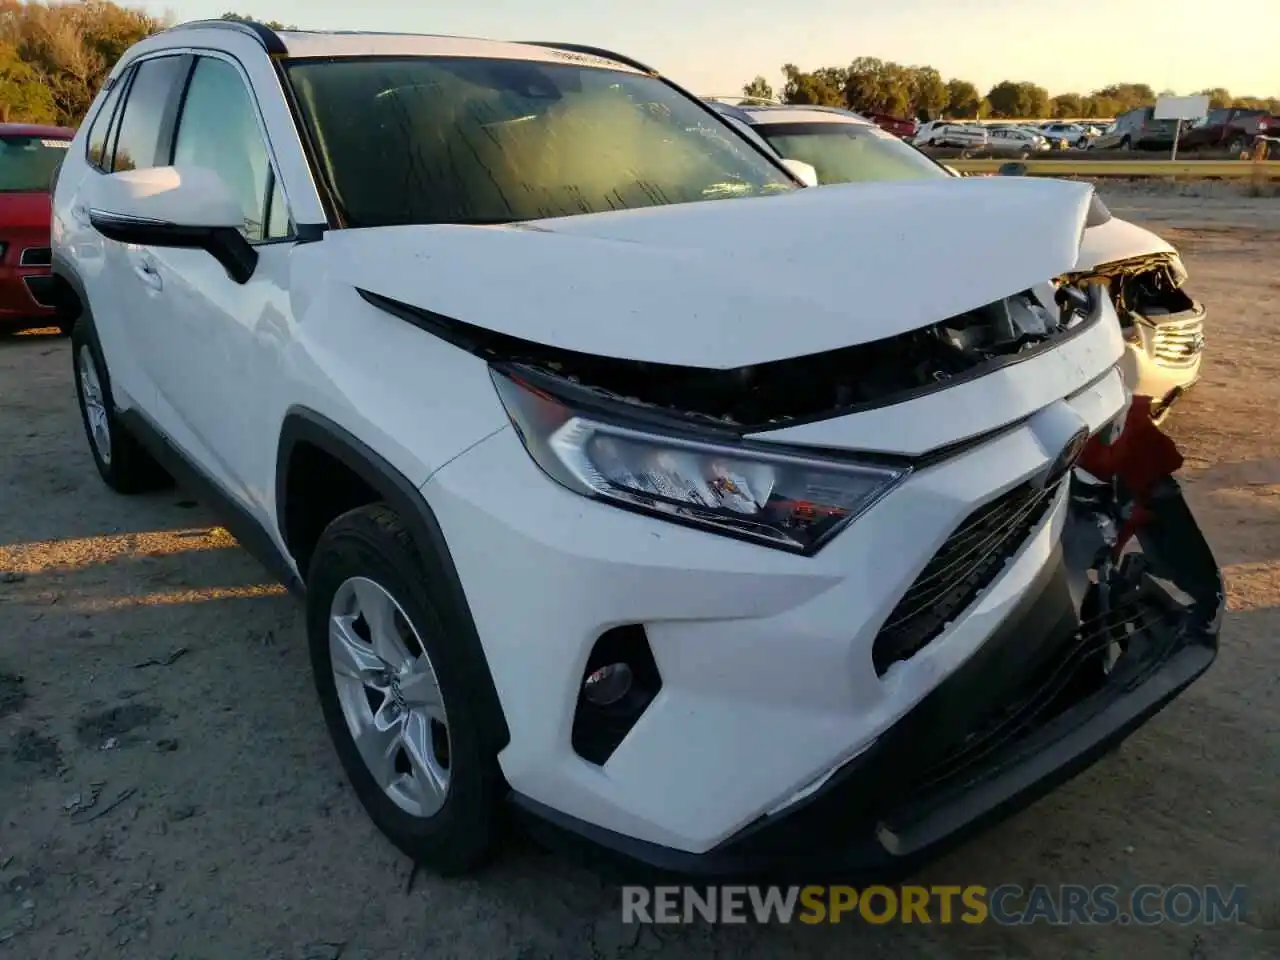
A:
<point x="95" y="405"/>
<point x="390" y="697"/>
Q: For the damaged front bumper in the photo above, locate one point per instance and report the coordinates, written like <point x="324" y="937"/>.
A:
<point x="1114" y="628"/>
<point x="1163" y="353"/>
<point x="1163" y="327"/>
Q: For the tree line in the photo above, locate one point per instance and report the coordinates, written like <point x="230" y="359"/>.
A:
<point x="870" y="85"/>
<point x="54" y="56"/>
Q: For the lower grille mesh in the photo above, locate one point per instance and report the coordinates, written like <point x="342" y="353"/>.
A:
<point x="963" y="567"/>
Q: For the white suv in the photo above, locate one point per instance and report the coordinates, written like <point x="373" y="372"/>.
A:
<point x="723" y="570"/>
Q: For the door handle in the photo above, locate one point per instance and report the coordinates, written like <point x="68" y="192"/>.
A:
<point x="146" y="270"/>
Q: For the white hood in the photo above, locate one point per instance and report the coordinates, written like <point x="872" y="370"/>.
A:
<point x="736" y="282"/>
<point x="1118" y="240"/>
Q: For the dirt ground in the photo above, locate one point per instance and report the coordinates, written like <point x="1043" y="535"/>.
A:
<point x="167" y="789"/>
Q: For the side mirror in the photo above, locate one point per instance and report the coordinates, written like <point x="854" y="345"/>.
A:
<point x="804" y="172"/>
<point x="187" y="207"/>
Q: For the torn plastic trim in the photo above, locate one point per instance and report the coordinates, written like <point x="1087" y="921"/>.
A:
<point x="1151" y="280"/>
<point x="1147" y="628"/>
<point x="1144" y="617"/>
<point x="792" y="391"/>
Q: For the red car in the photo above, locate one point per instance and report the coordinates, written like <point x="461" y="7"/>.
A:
<point x="1232" y="128"/>
<point x="30" y="155"/>
<point x="906" y="129"/>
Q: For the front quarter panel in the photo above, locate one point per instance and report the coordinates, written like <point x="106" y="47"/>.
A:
<point x="416" y="400"/>
<point x="1118" y="240"/>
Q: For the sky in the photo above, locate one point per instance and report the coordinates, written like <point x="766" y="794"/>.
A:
<point x="713" y="47"/>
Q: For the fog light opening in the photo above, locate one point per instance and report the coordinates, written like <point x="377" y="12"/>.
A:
<point x="619" y="681"/>
<point x="608" y="685"/>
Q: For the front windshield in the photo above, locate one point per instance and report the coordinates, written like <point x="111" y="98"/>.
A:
<point x="844" y="152"/>
<point x="27" y="163"/>
<point x="462" y="140"/>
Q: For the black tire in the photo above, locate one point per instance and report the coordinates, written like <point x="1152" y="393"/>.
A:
<point x="1237" y="146"/>
<point x="128" y="468"/>
<point x="372" y="542"/>
<point x="1126" y="144"/>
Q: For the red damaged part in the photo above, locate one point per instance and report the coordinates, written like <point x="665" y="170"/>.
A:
<point x="1140" y="458"/>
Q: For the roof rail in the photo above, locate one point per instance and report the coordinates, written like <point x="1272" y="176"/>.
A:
<point x="729" y="110"/>
<point x="843" y="111"/>
<point x="593" y="52"/>
<point x="740" y="101"/>
<point x="269" y="39"/>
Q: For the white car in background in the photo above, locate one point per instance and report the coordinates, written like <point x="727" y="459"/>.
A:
<point x="1163" y="327"/>
<point x="940" y="133"/>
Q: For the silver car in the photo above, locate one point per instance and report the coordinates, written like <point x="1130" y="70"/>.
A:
<point x="1016" y="141"/>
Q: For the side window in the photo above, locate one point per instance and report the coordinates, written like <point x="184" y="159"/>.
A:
<point x="100" y="132"/>
<point x="144" y="127"/>
<point x="218" y="129"/>
<point x="277" y="213"/>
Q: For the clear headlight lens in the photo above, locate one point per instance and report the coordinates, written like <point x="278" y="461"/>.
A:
<point x="777" y="499"/>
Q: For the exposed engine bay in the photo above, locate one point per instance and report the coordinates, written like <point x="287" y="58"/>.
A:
<point x="1146" y="289"/>
<point x="878" y="373"/>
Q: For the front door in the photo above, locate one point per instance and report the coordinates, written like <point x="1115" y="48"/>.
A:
<point x="216" y="348"/>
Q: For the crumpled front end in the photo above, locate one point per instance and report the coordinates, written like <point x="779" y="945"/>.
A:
<point x="1163" y="327"/>
<point x="1121" y="619"/>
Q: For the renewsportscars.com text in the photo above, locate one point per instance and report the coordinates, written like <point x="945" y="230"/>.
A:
<point x="1007" y="905"/>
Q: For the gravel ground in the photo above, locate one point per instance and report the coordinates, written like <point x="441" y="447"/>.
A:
<point x="167" y="790"/>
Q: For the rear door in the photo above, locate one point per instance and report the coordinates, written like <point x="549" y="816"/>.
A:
<point x="136" y="133"/>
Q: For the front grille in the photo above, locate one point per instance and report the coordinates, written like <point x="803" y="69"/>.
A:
<point x="1179" y="342"/>
<point x="966" y="564"/>
<point x="36" y="257"/>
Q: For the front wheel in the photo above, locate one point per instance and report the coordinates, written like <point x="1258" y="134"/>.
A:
<point x="1126" y="144"/>
<point x="398" y="694"/>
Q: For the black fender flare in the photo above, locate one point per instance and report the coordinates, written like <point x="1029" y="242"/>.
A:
<point x="302" y="425"/>
<point x="62" y="270"/>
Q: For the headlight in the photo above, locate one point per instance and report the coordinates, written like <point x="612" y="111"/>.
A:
<point x="728" y="486"/>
